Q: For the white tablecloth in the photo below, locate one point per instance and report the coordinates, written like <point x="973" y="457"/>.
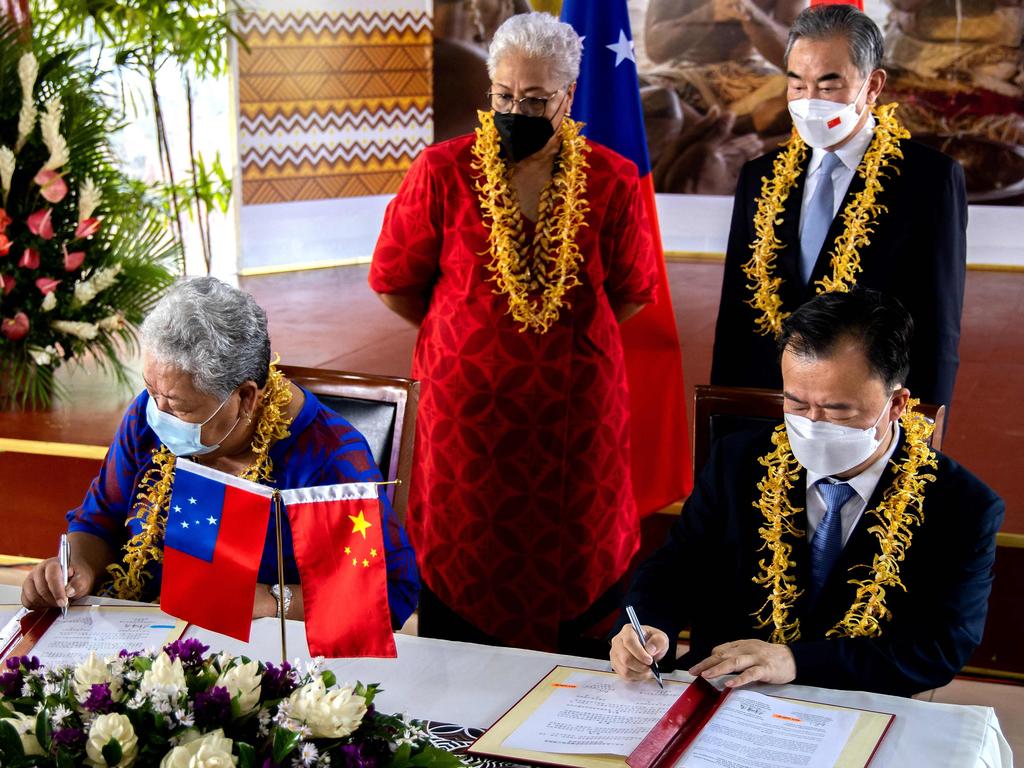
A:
<point x="473" y="685"/>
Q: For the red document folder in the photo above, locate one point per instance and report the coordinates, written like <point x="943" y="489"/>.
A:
<point x="667" y="741"/>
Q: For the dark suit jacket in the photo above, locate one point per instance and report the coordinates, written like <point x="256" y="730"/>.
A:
<point x="702" y="577"/>
<point x="917" y="254"/>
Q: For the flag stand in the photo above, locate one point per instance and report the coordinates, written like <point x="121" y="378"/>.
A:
<point x="280" y="576"/>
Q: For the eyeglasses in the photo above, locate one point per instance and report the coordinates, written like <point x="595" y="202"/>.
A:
<point x="531" y="106"/>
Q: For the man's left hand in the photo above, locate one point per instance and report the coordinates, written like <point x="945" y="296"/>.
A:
<point x="751" y="661"/>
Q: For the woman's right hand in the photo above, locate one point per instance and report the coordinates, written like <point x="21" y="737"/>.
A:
<point x="44" y="586"/>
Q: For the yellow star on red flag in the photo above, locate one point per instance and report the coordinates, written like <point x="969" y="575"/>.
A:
<point x="360" y="523"/>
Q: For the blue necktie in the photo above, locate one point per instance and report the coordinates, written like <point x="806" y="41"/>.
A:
<point x="828" y="537"/>
<point x="817" y="216"/>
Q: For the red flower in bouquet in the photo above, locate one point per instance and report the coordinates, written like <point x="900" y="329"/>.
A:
<point x="6" y="284"/>
<point x="5" y="244"/>
<point x="51" y="185"/>
<point x="29" y="259"/>
<point x="41" y="223"/>
<point x="4" y="220"/>
<point x="87" y="228"/>
<point x="73" y="260"/>
<point x="47" y="285"/>
<point x="15" y="328"/>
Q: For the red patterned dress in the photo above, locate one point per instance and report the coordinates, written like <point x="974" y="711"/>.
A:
<point x="521" y="508"/>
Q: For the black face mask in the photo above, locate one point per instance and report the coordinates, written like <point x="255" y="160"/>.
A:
<point x="522" y="135"/>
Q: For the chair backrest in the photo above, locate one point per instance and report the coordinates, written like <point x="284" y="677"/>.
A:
<point x="382" y="408"/>
<point x="719" y="411"/>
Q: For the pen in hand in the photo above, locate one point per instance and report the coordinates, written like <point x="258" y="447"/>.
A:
<point x="64" y="558"/>
<point x="635" y="622"/>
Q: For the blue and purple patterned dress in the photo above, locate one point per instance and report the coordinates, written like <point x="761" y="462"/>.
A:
<point x="322" y="449"/>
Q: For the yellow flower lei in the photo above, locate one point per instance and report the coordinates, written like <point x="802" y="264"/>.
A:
<point x="154" y="491"/>
<point x="898" y="512"/>
<point x="857" y="218"/>
<point x="552" y="261"/>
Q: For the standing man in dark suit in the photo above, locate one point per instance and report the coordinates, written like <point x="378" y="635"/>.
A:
<point x="837" y="549"/>
<point x="848" y="200"/>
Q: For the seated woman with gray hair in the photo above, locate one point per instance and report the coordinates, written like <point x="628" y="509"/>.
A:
<point x="517" y="250"/>
<point x="212" y="395"/>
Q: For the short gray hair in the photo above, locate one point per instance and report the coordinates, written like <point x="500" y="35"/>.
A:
<point x="828" y="21"/>
<point x="213" y="332"/>
<point x="538" y="35"/>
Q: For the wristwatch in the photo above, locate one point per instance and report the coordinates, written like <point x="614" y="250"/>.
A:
<point x="276" y="590"/>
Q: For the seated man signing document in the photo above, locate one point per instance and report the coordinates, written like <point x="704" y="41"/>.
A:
<point x="837" y="549"/>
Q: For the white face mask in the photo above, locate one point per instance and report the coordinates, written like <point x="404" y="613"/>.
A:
<point x="182" y="438"/>
<point x="831" y="449"/>
<point x="822" y="123"/>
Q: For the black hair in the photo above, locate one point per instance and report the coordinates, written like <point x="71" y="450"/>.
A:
<point x="878" y="322"/>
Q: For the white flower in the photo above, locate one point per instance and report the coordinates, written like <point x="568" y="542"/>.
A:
<point x="28" y="70"/>
<point x="86" y="331"/>
<point x="101" y="279"/>
<point x="89" y="197"/>
<point x="49" y="302"/>
<point x="51" y="688"/>
<point x="165" y="676"/>
<point x="308" y="754"/>
<point x="26" y="726"/>
<point x="60" y="714"/>
<point x="113" y="322"/>
<point x="210" y="751"/>
<point x="40" y="356"/>
<point x="49" y="125"/>
<point x="93" y="671"/>
<point x="243" y="681"/>
<point x="329" y="714"/>
<point x="104" y="728"/>
<point x="6" y="169"/>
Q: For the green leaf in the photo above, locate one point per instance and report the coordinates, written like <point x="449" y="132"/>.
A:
<point x="328" y="677"/>
<point x="285" y="742"/>
<point x="10" y="741"/>
<point x="112" y="752"/>
<point x="65" y="759"/>
<point x="246" y="755"/>
<point x="44" y="730"/>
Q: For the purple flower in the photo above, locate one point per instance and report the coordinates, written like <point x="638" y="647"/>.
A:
<point x="11" y="682"/>
<point x="99" y="700"/>
<point x="213" y="707"/>
<point x="69" y="738"/>
<point x="124" y="654"/>
<point x="361" y="755"/>
<point x="277" y="682"/>
<point x="190" y="651"/>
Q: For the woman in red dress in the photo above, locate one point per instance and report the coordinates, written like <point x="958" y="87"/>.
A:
<point x="517" y="250"/>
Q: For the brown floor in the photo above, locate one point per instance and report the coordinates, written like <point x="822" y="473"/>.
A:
<point x="329" y="318"/>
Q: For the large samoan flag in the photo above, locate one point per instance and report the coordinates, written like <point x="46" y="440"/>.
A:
<point x="608" y="100"/>
<point x="216" y="531"/>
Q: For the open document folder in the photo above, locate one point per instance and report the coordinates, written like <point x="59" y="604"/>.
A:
<point x="105" y="629"/>
<point x="587" y="719"/>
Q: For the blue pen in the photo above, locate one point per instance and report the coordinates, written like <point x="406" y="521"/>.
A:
<point x="635" y="622"/>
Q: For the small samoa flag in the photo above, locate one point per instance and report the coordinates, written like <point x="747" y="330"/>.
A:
<point x="216" y="529"/>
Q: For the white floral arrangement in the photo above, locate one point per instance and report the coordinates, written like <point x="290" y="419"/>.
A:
<point x="179" y="708"/>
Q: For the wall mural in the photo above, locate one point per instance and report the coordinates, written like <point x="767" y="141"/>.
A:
<point x="334" y="100"/>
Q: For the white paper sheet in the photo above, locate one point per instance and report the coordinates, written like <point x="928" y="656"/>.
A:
<point x="104" y="630"/>
<point x="751" y="730"/>
<point x="594" y="715"/>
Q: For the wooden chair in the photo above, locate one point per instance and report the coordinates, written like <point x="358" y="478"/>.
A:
<point x="719" y="411"/>
<point x="382" y="408"/>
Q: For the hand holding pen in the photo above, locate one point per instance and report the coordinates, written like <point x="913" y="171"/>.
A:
<point x="638" y="628"/>
<point x="64" y="559"/>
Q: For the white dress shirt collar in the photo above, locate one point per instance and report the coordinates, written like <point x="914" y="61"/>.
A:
<point x="852" y="152"/>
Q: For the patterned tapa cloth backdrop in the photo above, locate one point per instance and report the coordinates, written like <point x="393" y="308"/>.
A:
<point x="334" y="97"/>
